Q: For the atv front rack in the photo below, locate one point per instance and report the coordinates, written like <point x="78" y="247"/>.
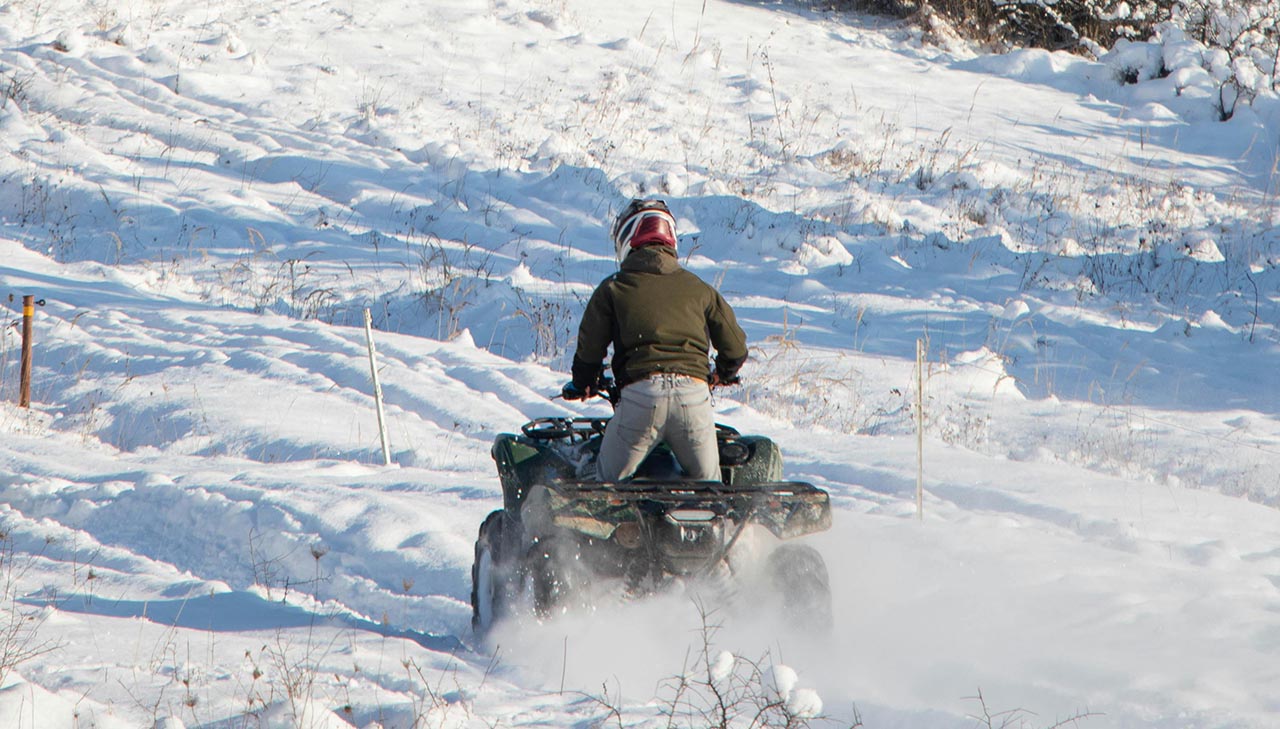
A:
<point x="788" y="509"/>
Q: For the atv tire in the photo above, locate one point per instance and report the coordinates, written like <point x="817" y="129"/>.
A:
<point x="799" y="578"/>
<point x="492" y="574"/>
<point x="556" y="578"/>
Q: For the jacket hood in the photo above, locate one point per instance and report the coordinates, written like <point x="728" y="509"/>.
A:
<point x="654" y="258"/>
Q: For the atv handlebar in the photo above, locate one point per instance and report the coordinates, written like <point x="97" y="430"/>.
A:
<point x="583" y="428"/>
<point x="608" y="388"/>
<point x="605" y="387"/>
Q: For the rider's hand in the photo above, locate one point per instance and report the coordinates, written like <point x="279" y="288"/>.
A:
<point x="719" y="379"/>
<point x="571" y="391"/>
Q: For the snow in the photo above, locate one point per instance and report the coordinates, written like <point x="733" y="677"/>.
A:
<point x="198" y="529"/>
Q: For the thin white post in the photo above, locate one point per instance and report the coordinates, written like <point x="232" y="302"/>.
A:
<point x="377" y="388"/>
<point x="920" y="429"/>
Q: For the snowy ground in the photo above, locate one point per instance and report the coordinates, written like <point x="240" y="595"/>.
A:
<point x="197" y="528"/>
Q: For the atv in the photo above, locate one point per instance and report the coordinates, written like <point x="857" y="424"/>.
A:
<point x="563" y="538"/>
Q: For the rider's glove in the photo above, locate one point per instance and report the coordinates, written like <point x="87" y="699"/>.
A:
<point x="571" y="391"/>
<point x="719" y="379"/>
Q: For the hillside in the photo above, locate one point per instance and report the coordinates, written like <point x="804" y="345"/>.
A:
<point x="198" y="530"/>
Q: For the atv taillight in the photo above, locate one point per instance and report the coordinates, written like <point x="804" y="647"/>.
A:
<point x="689" y="537"/>
<point x="691" y="515"/>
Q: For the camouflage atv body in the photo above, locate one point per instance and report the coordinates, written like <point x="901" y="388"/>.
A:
<point x="561" y="534"/>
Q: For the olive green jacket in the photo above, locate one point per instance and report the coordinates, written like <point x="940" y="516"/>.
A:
<point x="659" y="318"/>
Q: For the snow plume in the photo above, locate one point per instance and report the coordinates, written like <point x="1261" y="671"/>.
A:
<point x="709" y="649"/>
<point x="673" y="653"/>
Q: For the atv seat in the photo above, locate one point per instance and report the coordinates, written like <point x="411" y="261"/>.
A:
<point x="659" y="465"/>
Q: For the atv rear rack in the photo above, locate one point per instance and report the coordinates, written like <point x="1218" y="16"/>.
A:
<point x="787" y="509"/>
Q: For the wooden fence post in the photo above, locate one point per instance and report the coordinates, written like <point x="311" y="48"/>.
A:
<point x="24" y="387"/>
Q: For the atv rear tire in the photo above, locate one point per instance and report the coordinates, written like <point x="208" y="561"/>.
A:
<point x="798" y="574"/>
<point x="492" y="574"/>
<point x="557" y="580"/>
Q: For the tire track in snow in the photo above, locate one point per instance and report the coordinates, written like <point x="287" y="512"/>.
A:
<point x="229" y="530"/>
<point x="237" y="523"/>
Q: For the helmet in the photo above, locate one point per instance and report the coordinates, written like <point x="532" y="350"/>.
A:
<point x="640" y="223"/>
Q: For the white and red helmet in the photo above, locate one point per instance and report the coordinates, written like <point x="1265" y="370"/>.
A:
<point x="641" y="223"/>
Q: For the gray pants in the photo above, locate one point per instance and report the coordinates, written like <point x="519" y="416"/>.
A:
<point x="671" y="408"/>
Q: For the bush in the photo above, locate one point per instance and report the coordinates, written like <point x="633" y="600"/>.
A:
<point x="1073" y="25"/>
<point x="1243" y="37"/>
<point x="1238" y="41"/>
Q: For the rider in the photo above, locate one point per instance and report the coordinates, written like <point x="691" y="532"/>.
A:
<point x="661" y="321"/>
